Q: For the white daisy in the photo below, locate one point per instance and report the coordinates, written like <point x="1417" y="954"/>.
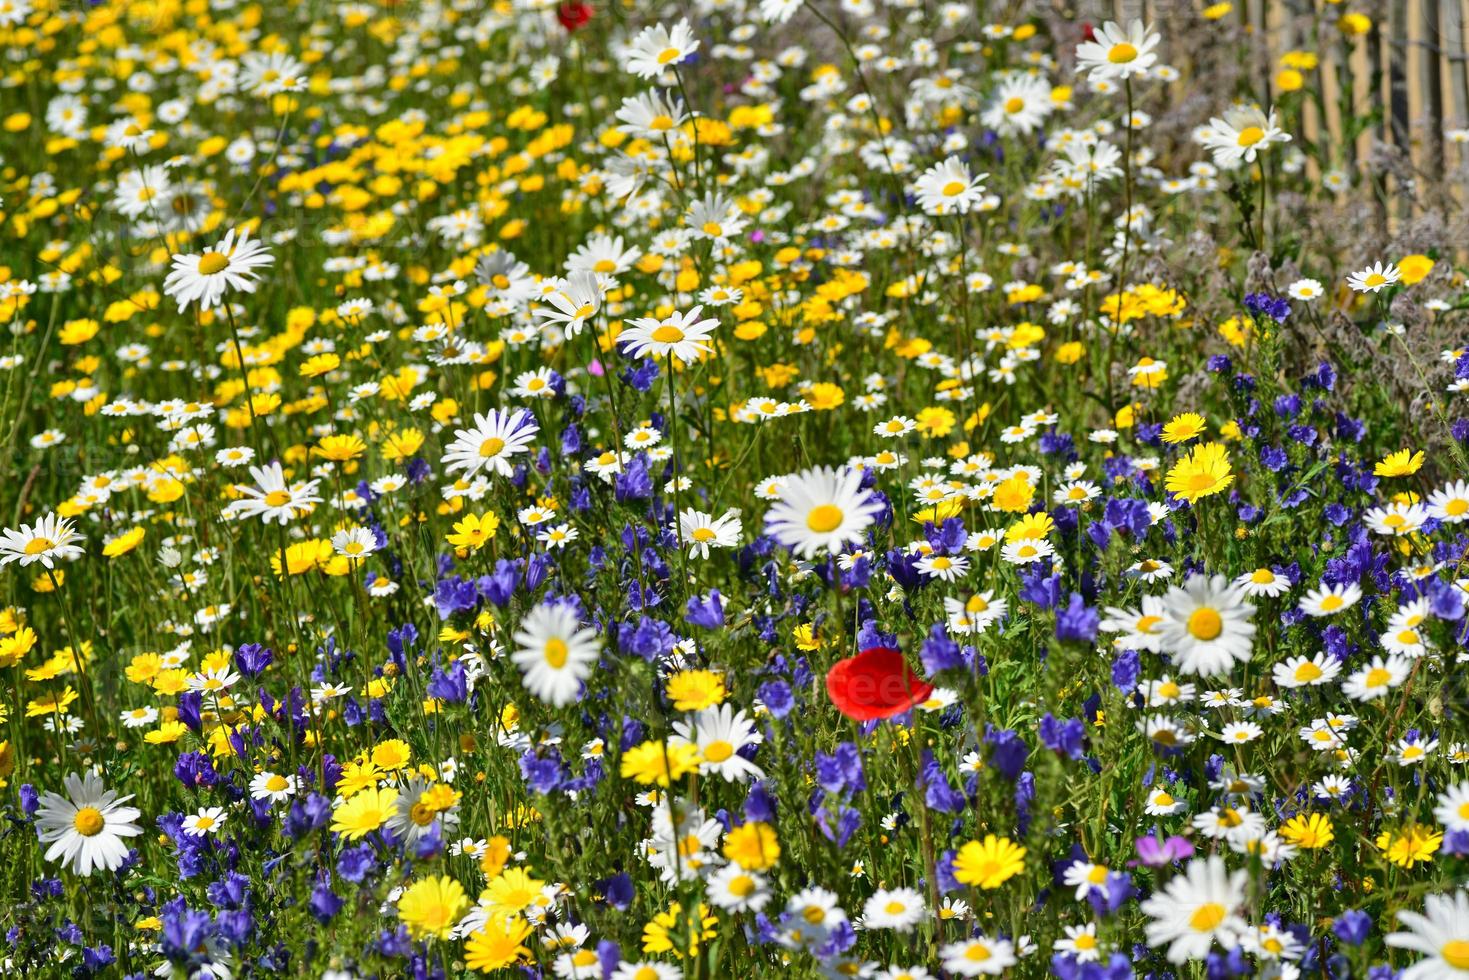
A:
<point x="491" y="442"/>
<point x="1195" y="908"/>
<point x="1301" y="671"/>
<point x="1330" y="599"/>
<point x="948" y="187"/>
<point x="1450" y="504"/>
<point x="1117" y="54"/>
<point x="554" y="653"/>
<point x="701" y="531"/>
<point x="45" y="541"/>
<point x="204" y="279"/>
<point x="1206" y="625"/>
<point x="1240" y="135"/>
<point x="1441" y="933"/>
<point x="272" y="499"/>
<point x="979" y="956"/>
<point x="272" y="786"/>
<point x="657" y="48"/>
<point x="734" y="889"/>
<point x="1377" y="678"/>
<point x="206" y="821"/>
<point x="899" y="909"/>
<point x="821" y="509"/>
<point x="721" y="732"/>
<point x="682" y="336"/>
<point x="1453" y="807"/>
<point x="85" y="827"/>
<point x="1374" y="277"/>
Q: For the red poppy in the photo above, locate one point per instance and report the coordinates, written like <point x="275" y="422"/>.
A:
<point x="875" y="684"/>
<point x="1087" y="32"/>
<point x="573" y="15"/>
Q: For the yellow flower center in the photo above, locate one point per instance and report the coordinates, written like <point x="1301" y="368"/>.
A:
<point x="1163" y="799"/>
<point x="1376" y="279"/>
<point x="893" y="908"/>
<point x="213" y="262"/>
<point x="824" y="518"/>
<point x="669" y="55"/>
<point x="1207" y="917"/>
<point x="954" y="188"/>
<point x="1262" y="576"/>
<point x="741" y="885"/>
<point x="89" y="821"/>
<point x="1085" y="941"/>
<point x="668" y="334"/>
<point x="1201" y="481"/>
<point x="491" y="447"/>
<point x="1455" y="953"/>
<point x="1014" y="104"/>
<point x="717" y="752"/>
<point x="1251" y="135"/>
<point x="1331" y="603"/>
<point x="36" y="546"/>
<point x="1205" y="624"/>
<point x="703" y="534"/>
<point x="1457" y="507"/>
<point x="556" y="652"/>
<point x="1308" y="672"/>
<point x="421" y="814"/>
<point x="1377" y="677"/>
<point x="605" y="265"/>
<point x="277" y="498"/>
<point x="1122" y="53"/>
<point x="276" y="783"/>
<point x="977" y="953"/>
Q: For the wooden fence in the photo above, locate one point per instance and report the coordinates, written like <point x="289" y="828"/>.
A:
<point x="1404" y="83"/>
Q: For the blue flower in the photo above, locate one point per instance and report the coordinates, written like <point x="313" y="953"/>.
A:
<point x="251" y="659"/>
<point x="1078" y="622"/>
<point x="1008" y="751"/>
<point x="707" y="612"/>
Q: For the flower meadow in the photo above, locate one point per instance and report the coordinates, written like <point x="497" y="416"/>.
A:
<point x="774" y="488"/>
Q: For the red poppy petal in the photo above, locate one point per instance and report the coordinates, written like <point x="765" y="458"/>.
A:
<point x="875" y="684"/>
